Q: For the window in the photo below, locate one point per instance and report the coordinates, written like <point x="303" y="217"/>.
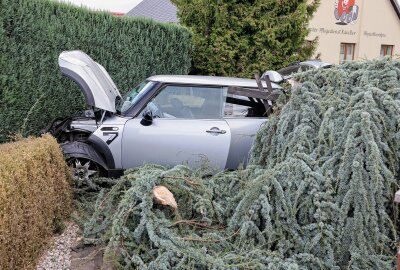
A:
<point x="237" y="106"/>
<point x="386" y="50"/>
<point x="188" y="102"/>
<point x="346" y="52"/>
<point x="133" y="96"/>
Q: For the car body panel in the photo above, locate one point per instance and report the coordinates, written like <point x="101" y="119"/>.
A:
<point x="110" y="132"/>
<point x="96" y="84"/>
<point x="175" y="141"/>
<point x="88" y="125"/>
<point x="287" y="72"/>
<point x="316" y="63"/>
<point x="243" y="131"/>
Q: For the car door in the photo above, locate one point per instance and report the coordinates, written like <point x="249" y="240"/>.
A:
<point x="187" y="128"/>
<point x="244" y="116"/>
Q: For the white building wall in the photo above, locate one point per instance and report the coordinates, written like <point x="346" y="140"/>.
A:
<point x="377" y="24"/>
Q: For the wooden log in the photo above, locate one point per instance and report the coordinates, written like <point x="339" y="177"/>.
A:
<point x="161" y="195"/>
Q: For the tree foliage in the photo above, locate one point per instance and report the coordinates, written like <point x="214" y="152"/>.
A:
<point x="239" y="38"/>
<point x="34" y="32"/>
<point x="317" y="194"/>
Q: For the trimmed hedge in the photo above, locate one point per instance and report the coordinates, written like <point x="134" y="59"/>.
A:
<point x="34" y="32"/>
<point x="35" y="196"/>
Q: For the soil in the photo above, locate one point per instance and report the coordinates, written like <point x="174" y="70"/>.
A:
<point x="87" y="258"/>
<point x="66" y="252"/>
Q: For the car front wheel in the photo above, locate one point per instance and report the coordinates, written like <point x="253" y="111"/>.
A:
<point x="82" y="169"/>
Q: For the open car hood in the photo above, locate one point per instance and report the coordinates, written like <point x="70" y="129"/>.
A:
<point x="96" y="84"/>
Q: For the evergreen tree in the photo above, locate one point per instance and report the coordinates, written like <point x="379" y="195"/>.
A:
<point x="239" y="38"/>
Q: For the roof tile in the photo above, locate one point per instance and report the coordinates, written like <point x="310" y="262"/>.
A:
<point x="159" y="10"/>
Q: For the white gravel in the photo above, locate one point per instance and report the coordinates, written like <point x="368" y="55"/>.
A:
<point x="58" y="255"/>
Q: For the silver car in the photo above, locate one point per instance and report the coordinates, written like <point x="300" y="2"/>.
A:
<point x="166" y="120"/>
<point x="296" y="67"/>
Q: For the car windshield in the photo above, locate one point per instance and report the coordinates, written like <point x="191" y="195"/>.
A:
<point x="133" y="96"/>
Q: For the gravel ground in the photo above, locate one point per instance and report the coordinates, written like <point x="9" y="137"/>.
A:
<point x="58" y="255"/>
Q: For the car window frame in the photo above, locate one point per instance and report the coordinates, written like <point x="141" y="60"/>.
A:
<point x="134" y="111"/>
<point x="243" y="117"/>
<point x="163" y="85"/>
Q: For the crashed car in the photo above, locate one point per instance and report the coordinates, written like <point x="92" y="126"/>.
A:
<point x="296" y="67"/>
<point x="286" y="74"/>
<point x="166" y="120"/>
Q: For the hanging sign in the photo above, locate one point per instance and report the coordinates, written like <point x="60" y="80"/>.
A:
<point x="346" y="11"/>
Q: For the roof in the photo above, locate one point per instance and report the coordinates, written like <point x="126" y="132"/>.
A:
<point x="396" y="6"/>
<point x="159" y="10"/>
<point x="209" y="80"/>
<point x="316" y="63"/>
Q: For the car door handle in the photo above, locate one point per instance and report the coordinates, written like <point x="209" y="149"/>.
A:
<point x="215" y="131"/>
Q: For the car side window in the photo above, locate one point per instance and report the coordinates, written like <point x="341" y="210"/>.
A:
<point x="188" y="102"/>
<point x="237" y="106"/>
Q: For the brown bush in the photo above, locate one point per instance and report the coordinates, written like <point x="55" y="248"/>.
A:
<point x="35" y="196"/>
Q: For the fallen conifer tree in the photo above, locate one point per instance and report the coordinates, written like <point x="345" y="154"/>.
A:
<point x="317" y="194"/>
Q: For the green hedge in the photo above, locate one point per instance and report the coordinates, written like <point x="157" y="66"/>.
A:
<point x="34" y="32"/>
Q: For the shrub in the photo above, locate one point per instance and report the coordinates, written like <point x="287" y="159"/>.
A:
<point x="35" y="195"/>
<point x="34" y="32"/>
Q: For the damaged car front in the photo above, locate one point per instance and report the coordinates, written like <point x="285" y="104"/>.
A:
<point x="87" y="153"/>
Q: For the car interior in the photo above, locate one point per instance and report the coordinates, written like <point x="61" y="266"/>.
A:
<point x="187" y="102"/>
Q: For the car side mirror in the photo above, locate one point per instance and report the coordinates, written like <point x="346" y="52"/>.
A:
<point x="147" y="119"/>
<point x="274" y="76"/>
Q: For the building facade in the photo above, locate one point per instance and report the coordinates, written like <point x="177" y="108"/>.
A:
<point x="356" y="29"/>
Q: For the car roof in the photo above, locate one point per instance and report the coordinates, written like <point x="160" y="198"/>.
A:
<point x="209" y="80"/>
<point x="315" y="63"/>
